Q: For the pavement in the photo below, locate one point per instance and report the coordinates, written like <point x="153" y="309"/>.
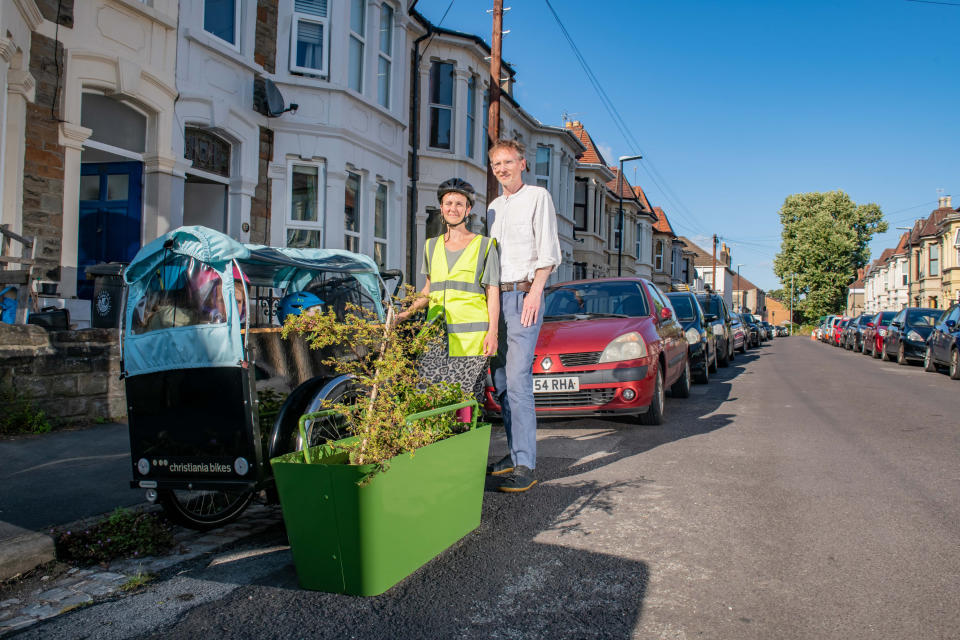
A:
<point x="805" y="492"/>
<point x="57" y="478"/>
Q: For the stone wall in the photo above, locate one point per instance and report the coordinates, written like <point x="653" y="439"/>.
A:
<point x="43" y="158"/>
<point x="50" y="9"/>
<point x="265" y="40"/>
<point x="260" y="205"/>
<point x="72" y="375"/>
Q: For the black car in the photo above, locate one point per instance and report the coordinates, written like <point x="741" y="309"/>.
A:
<point x="943" y="345"/>
<point x="907" y="335"/>
<point x="716" y="315"/>
<point x="702" y="342"/>
<point x="853" y="333"/>
<point x="751" y="329"/>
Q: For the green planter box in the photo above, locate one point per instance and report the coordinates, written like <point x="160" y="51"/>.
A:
<point x="363" y="540"/>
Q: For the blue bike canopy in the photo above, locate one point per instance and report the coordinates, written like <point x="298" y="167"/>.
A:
<point x="185" y="309"/>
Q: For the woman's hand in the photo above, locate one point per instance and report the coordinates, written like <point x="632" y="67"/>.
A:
<point x="490" y="344"/>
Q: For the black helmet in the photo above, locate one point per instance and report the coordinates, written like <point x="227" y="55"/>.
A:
<point x="456" y="185"/>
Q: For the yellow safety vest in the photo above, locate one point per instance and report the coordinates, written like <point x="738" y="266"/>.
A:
<point x="456" y="293"/>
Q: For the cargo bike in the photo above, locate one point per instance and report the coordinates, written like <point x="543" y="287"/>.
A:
<point x="213" y="391"/>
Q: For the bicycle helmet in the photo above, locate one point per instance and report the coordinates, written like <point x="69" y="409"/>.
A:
<point x="296" y="303"/>
<point x="457" y="185"/>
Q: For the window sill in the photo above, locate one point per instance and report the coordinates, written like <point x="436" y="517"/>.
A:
<point x="213" y="44"/>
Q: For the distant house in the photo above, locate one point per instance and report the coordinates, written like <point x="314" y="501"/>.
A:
<point x="748" y="297"/>
<point x="855" y="299"/>
<point x="717" y="276"/>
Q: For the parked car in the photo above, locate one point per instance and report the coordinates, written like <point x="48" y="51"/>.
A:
<point x="771" y="330"/>
<point x="719" y="318"/>
<point x="907" y="334"/>
<point x="854" y="338"/>
<point x="607" y="346"/>
<point x="838" y="327"/>
<point x="874" y="333"/>
<point x="702" y="344"/>
<point x="739" y="333"/>
<point x="826" y="328"/>
<point x="943" y="345"/>
<point x="751" y="330"/>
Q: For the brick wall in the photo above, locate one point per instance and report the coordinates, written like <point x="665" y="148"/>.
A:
<point x="43" y="158"/>
<point x="72" y="375"/>
<point x="260" y="205"/>
<point x="265" y="41"/>
<point x="49" y="10"/>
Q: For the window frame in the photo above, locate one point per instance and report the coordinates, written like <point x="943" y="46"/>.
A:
<point x="386" y="223"/>
<point x="324" y="22"/>
<point x="361" y="38"/>
<point x="471" y="118"/>
<point x="933" y="261"/>
<point x="357" y="212"/>
<point x="431" y="105"/>
<point x="237" y="28"/>
<point x="387" y="57"/>
<point x="658" y="257"/>
<point x="538" y="176"/>
<point x="576" y="183"/>
<point x="320" y="224"/>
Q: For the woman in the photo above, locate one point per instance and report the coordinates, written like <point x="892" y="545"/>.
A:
<point x="462" y="292"/>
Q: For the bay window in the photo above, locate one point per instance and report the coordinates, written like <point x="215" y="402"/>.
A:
<point x="308" y="37"/>
<point x="542" y="167"/>
<point x="358" y="25"/>
<point x="305" y="219"/>
<point x="221" y="19"/>
<point x="351" y="213"/>
<point x="471" y="116"/>
<point x="934" y="259"/>
<point x="441" y="104"/>
<point x="385" y="57"/>
<point x="580" y="204"/>
<point x="380" y="226"/>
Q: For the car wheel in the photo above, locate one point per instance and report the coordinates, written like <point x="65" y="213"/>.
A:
<point x="876" y="353"/>
<point x="954" y="364"/>
<point x="863" y="348"/>
<point x="928" y="362"/>
<point x="725" y="360"/>
<point x="654" y="414"/>
<point x="883" y="353"/>
<point x="703" y="376"/>
<point x="733" y="353"/>
<point x="681" y="388"/>
<point x="713" y="363"/>
<point x="743" y="347"/>
<point x="901" y="355"/>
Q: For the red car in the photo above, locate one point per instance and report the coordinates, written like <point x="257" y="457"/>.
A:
<point x="607" y="346"/>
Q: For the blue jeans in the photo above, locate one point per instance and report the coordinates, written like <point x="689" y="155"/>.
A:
<point x="512" y="370"/>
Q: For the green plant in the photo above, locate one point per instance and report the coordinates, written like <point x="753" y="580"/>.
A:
<point x="136" y="581"/>
<point x="122" y="533"/>
<point x="384" y="363"/>
<point x="19" y="415"/>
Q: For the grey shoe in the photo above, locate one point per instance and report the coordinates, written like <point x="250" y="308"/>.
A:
<point x="520" y="480"/>
<point x="502" y="466"/>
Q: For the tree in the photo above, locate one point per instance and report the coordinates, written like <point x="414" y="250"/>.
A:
<point x="824" y="241"/>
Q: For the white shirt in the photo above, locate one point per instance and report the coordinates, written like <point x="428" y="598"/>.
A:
<point x="525" y="226"/>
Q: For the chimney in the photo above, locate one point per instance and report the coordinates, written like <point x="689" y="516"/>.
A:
<point x="945" y="202"/>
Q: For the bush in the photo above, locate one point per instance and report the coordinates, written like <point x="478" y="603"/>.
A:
<point x="19" y="415"/>
<point x="124" y="533"/>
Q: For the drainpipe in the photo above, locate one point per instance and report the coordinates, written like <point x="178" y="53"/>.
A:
<point x="415" y="156"/>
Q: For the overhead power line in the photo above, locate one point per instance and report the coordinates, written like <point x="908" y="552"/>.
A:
<point x="678" y="207"/>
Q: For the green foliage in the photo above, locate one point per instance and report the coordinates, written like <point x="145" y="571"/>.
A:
<point x="121" y="534"/>
<point x="824" y="241"/>
<point x="19" y="415"/>
<point x="384" y="362"/>
<point x="135" y="582"/>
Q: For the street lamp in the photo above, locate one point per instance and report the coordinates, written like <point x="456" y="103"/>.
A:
<point x="620" y="225"/>
<point x="739" y="289"/>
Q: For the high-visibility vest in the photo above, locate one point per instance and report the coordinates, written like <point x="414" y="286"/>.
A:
<point x="457" y="295"/>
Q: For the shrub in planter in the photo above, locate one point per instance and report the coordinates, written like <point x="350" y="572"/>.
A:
<point x="365" y="511"/>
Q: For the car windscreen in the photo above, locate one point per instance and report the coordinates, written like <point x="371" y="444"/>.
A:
<point x="863" y="320"/>
<point x="923" y="317"/>
<point x="617" y="298"/>
<point x="683" y="306"/>
<point x="709" y="304"/>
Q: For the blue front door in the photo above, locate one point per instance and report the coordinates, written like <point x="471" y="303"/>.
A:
<point x="111" y="206"/>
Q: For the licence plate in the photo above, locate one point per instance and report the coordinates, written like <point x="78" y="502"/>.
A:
<point x="556" y="384"/>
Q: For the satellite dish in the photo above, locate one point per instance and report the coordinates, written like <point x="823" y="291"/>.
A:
<point x="275" y="103"/>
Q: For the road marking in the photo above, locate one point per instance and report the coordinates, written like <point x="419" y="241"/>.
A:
<point x="113" y="456"/>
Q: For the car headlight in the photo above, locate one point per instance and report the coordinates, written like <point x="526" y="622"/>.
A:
<point x="693" y="336"/>
<point x="718" y="329"/>
<point x="883" y="332"/>
<point x="913" y="335"/>
<point x="629" y="346"/>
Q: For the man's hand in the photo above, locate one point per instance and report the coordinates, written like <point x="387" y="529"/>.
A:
<point x="531" y="307"/>
<point x="490" y="344"/>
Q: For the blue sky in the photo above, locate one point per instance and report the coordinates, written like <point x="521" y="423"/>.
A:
<point x="736" y="104"/>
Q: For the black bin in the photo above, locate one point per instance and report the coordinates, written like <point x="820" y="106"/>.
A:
<point x="107" y="294"/>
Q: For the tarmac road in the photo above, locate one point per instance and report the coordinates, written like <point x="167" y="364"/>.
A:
<point x="806" y="492"/>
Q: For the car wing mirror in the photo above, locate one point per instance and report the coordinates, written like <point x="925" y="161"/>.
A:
<point x="870" y="325"/>
<point x="951" y="324"/>
<point x="710" y="317"/>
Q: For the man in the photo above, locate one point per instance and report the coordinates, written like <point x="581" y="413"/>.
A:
<point x="524" y="224"/>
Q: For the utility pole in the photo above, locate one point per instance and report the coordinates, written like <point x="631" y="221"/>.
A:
<point x="714" y="263"/>
<point x="493" y="111"/>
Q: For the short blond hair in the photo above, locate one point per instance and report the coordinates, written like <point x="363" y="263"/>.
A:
<point x="504" y="143"/>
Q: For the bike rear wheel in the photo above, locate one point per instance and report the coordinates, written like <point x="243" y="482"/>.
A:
<point x="203" y="510"/>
